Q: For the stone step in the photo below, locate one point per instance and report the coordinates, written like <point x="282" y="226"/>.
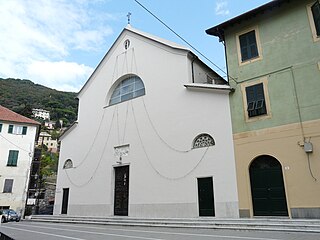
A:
<point x="265" y="224"/>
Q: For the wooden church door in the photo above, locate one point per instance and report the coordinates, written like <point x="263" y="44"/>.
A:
<point x="121" y="191"/>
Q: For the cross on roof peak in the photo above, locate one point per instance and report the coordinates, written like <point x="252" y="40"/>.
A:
<point x="128" y="16"/>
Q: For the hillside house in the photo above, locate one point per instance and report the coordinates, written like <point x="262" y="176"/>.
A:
<point x="46" y="139"/>
<point x="41" y="113"/>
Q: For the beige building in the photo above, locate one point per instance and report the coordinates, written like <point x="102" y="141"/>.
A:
<point x="274" y="67"/>
<point x="46" y="139"/>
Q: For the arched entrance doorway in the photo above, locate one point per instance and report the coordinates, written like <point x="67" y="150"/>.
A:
<point x="267" y="187"/>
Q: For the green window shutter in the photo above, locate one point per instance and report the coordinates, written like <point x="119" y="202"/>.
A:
<point x="13" y="158"/>
<point x="0" y="127"/>
<point x="24" y="130"/>
<point x="10" y="129"/>
<point x="248" y="45"/>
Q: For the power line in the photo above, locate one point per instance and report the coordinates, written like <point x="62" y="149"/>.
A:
<point x="100" y="159"/>
<point x="157" y="133"/>
<point x="149" y="160"/>
<point x="28" y="151"/>
<point x="185" y="41"/>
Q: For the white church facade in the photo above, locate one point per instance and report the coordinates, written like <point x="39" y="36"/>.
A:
<point x="153" y="137"/>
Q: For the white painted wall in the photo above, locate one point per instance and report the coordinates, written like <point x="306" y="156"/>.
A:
<point x="20" y="174"/>
<point x="163" y="183"/>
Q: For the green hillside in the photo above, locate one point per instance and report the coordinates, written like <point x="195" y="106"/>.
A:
<point x="23" y="95"/>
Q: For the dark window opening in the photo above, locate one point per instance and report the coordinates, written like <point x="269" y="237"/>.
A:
<point x="8" y="184"/>
<point x="256" y="100"/>
<point x="316" y="16"/>
<point x="248" y="46"/>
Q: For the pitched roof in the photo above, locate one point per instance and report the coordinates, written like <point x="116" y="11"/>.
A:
<point x="156" y="38"/>
<point x="10" y="116"/>
<point x="218" y="30"/>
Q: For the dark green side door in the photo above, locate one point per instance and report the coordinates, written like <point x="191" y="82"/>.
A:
<point x="267" y="187"/>
<point x="121" y="191"/>
<point x="65" y="201"/>
<point x="205" y="197"/>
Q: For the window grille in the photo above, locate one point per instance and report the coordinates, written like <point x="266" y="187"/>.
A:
<point x="68" y="164"/>
<point x="203" y="140"/>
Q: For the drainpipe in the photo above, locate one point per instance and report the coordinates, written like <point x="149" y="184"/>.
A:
<point x="192" y="69"/>
<point x="221" y="39"/>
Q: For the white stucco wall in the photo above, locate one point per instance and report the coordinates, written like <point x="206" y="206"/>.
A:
<point x="163" y="182"/>
<point x="20" y="173"/>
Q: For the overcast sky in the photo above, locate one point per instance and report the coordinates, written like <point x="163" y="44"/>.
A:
<point x="58" y="43"/>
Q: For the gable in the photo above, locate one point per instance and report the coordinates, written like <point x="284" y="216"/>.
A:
<point x="141" y="36"/>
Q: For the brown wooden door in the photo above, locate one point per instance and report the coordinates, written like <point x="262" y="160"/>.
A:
<point x="121" y="191"/>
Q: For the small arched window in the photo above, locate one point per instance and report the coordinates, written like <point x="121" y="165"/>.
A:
<point x="68" y="164"/>
<point x="127" y="89"/>
<point x="203" y="140"/>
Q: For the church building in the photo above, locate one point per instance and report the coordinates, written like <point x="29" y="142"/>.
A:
<point x="153" y="138"/>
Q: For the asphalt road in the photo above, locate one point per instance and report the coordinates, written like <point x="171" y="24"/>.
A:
<point x="51" y="231"/>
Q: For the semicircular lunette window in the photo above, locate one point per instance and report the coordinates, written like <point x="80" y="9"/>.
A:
<point x="127" y="89"/>
<point x="203" y="140"/>
<point x="68" y="164"/>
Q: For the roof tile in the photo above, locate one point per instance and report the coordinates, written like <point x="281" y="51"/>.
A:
<point x="10" y="116"/>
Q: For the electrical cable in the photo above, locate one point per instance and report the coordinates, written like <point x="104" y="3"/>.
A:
<point x="149" y="160"/>
<point x="309" y="164"/>
<point x="125" y="123"/>
<point x="310" y="170"/>
<point x="93" y="142"/>
<point x="157" y="133"/>
<point x="99" y="162"/>
<point x="28" y="151"/>
<point x="118" y="128"/>
<point x="185" y="41"/>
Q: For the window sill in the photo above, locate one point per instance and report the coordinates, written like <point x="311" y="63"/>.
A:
<point x="258" y="118"/>
<point x="208" y="86"/>
<point x="251" y="60"/>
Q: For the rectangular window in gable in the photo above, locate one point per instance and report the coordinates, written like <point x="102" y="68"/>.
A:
<point x="0" y="127"/>
<point x="248" y="46"/>
<point x="13" y="158"/>
<point x="315" y="9"/>
<point x="256" y="100"/>
<point x="8" y="184"/>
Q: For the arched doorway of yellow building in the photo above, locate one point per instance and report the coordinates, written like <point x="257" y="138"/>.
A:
<point x="267" y="187"/>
